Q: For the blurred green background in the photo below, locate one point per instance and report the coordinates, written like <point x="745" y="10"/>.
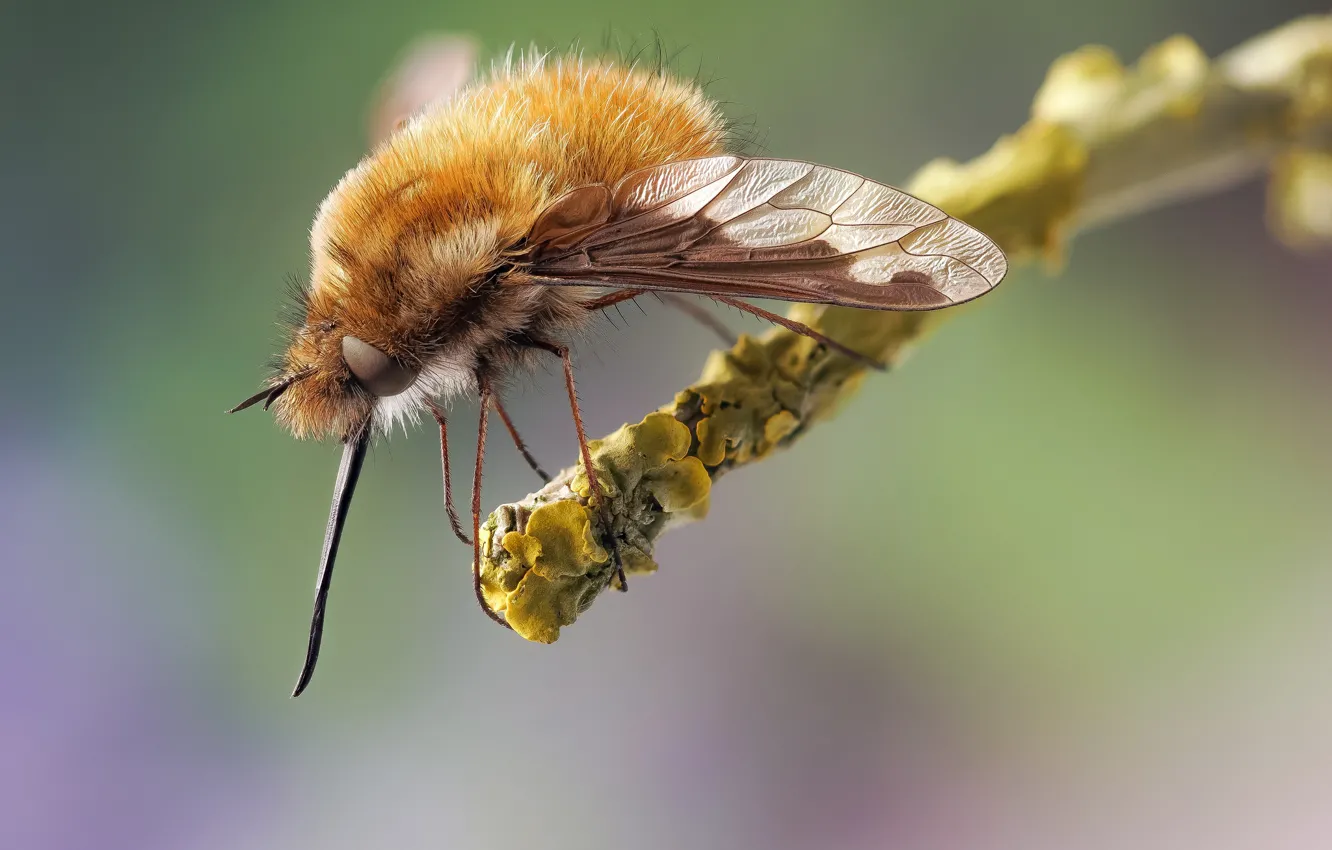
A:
<point x="1092" y="612"/>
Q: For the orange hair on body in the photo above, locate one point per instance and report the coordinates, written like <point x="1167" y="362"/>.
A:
<point x="480" y="232"/>
<point x="410" y="252"/>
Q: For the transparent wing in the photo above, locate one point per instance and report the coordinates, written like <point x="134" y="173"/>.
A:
<point x="764" y="228"/>
<point x="430" y="71"/>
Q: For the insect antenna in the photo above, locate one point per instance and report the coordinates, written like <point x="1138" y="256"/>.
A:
<point x="353" y="458"/>
<point x="267" y="395"/>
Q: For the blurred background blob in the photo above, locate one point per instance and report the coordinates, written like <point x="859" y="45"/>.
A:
<point x="1063" y="581"/>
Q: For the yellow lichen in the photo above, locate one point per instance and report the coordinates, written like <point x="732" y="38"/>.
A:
<point x="1085" y="80"/>
<point x="711" y="442"/>
<point x="679" y="485"/>
<point x="556" y="553"/>
<point x="1299" y="206"/>
<point x="555" y="565"/>
<point x="525" y="547"/>
<point x="638" y="562"/>
<point x="564" y="542"/>
<point x="635" y="448"/>
<point x="1022" y="192"/>
<point x="1313" y="99"/>
<point x="778" y="426"/>
<point x="1103" y="141"/>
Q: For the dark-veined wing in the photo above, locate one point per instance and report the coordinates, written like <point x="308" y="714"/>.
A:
<point x="764" y="228"/>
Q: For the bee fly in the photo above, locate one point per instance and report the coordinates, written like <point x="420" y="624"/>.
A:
<point x="490" y="228"/>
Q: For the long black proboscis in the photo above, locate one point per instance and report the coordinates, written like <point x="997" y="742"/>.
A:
<point x="353" y="458"/>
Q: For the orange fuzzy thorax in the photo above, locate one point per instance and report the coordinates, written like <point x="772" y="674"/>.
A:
<point x="408" y="234"/>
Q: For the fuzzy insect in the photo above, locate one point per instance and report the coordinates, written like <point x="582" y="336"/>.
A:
<point x="490" y="228"/>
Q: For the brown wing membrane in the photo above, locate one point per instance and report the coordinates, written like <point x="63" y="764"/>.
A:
<point x="764" y="228"/>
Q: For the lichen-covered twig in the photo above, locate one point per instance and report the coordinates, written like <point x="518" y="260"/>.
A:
<point x="1103" y="142"/>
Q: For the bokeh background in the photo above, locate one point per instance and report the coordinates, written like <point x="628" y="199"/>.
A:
<point x="1064" y="581"/>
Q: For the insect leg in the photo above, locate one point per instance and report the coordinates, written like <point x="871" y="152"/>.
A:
<point x="484" y="384"/>
<point x="448" y="481"/>
<point x="698" y="313"/>
<point x="803" y="330"/>
<point x="595" y="486"/>
<point x="518" y="441"/>
<point x="610" y="299"/>
<point x="679" y="302"/>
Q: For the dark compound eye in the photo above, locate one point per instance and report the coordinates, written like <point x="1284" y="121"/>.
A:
<point x="374" y="370"/>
